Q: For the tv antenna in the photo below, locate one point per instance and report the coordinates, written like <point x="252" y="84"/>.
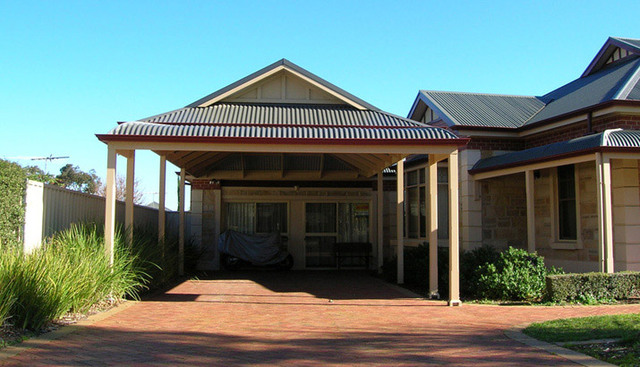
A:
<point x="46" y="160"/>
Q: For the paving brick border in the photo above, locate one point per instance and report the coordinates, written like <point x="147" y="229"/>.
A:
<point x="45" y="338"/>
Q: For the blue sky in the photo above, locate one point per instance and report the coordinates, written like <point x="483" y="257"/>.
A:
<point x="71" y="69"/>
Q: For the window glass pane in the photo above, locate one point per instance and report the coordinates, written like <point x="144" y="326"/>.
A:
<point x="271" y="217"/>
<point x="422" y="175"/>
<point x="321" y="217"/>
<point x="423" y="213"/>
<point x="241" y="217"/>
<point x="443" y="211"/>
<point x="320" y="252"/>
<point x="412" y="178"/>
<point x="567" y="218"/>
<point x="414" y="212"/>
<point x="353" y="222"/>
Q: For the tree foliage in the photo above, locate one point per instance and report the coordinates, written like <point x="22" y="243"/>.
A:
<point x="73" y="178"/>
<point x="12" y="189"/>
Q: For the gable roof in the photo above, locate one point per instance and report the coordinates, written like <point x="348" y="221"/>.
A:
<point x="273" y="122"/>
<point x="277" y="66"/>
<point x="616" y="81"/>
<point x="609" y="47"/>
<point x="613" y="139"/>
<point x="475" y="109"/>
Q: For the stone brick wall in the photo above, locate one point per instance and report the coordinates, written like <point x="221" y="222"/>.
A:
<point x="582" y="254"/>
<point x="626" y="214"/>
<point x="504" y="212"/>
<point x="579" y="129"/>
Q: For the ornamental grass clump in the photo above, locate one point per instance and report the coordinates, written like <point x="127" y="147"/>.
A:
<point x="69" y="273"/>
<point x="516" y="276"/>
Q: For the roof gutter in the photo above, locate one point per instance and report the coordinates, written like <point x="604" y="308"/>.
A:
<point x="558" y="157"/>
<point x="106" y="138"/>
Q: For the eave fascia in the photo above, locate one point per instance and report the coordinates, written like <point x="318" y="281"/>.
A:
<point x="578" y="156"/>
<point x="286" y="145"/>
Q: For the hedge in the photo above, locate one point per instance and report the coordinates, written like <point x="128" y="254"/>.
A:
<point x="12" y="188"/>
<point x="593" y="286"/>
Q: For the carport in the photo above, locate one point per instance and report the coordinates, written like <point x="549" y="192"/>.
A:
<point x="284" y="126"/>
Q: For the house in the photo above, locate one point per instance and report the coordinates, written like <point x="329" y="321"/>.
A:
<point x="557" y="174"/>
<point x="284" y="150"/>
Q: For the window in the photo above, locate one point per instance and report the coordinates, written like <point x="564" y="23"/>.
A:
<point x="328" y="223"/>
<point x="416" y="204"/>
<point x="567" y="216"/>
<point x="257" y="217"/>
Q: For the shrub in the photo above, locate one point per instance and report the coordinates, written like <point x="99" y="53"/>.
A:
<point x="471" y="263"/>
<point x="69" y="273"/>
<point x="516" y="276"/>
<point x="416" y="268"/>
<point x="592" y="287"/>
<point x="12" y="186"/>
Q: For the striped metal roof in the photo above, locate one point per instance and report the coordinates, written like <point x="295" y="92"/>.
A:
<point x="600" y="83"/>
<point x="614" y="138"/>
<point x="294" y="115"/>
<point x="605" y="85"/>
<point x="486" y="110"/>
<point x="138" y="128"/>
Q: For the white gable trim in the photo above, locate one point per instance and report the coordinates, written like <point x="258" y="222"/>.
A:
<point x="274" y="71"/>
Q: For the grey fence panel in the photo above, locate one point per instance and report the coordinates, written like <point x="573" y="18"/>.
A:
<point x="51" y="209"/>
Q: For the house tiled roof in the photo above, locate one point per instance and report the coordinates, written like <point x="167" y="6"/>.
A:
<point x="487" y="110"/>
<point x="281" y="122"/>
<point x="612" y="139"/>
<point x="608" y="84"/>
<point x="616" y="81"/>
<point x="277" y="114"/>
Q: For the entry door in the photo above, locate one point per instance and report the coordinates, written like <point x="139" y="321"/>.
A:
<point x="328" y="223"/>
<point x="320" y="234"/>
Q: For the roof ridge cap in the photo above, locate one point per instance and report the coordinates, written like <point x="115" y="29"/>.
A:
<point x="482" y="94"/>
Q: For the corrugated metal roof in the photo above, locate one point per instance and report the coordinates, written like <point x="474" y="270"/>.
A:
<point x="616" y="138"/>
<point x="296" y="115"/>
<point x="487" y="110"/>
<point x="600" y="83"/>
<point x="138" y="128"/>
<point x="590" y="90"/>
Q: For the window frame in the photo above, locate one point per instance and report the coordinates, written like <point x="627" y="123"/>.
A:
<point x="559" y="243"/>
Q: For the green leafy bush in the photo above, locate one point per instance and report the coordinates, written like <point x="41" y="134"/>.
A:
<point x="592" y="287"/>
<point x="516" y="276"/>
<point x="69" y="273"/>
<point x="13" y="182"/>
<point x="416" y="268"/>
<point x="471" y="263"/>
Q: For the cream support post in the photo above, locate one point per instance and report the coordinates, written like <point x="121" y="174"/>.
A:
<point x="129" y="194"/>
<point x="161" y="203"/>
<point x="110" y="205"/>
<point x="380" y="223"/>
<point x="454" y="238"/>
<point x="400" y="219"/>
<point x="531" y="219"/>
<point x="181" y="223"/>
<point x="605" y="210"/>
<point x="433" y="226"/>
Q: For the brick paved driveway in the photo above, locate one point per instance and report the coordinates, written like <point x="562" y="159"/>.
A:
<point x="301" y="318"/>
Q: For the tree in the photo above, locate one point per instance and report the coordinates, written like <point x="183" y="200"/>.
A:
<point x="121" y="184"/>
<point x="36" y="173"/>
<point x="73" y="178"/>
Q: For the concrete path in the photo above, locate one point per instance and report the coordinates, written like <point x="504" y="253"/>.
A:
<point x="301" y="319"/>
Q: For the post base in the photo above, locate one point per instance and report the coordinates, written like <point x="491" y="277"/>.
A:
<point x="454" y="302"/>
